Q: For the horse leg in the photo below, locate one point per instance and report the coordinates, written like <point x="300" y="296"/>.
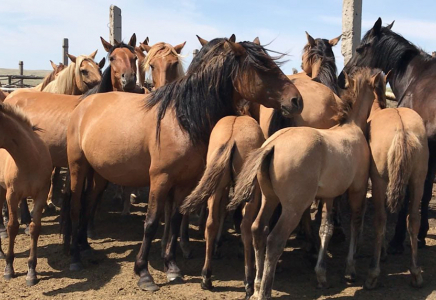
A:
<point x="249" y="214"/>
<point x="416" y="192"/>
<point x="167" y="227"/>
<point x="184" y="237"/>
<point x="25" y="215"/>
<point x="312" y="243"/>
<point x="126" y="201"/>
<point x="260" y="230"/>
<point x="276" y="243"/>
<point x="3" y="232"/>
<point x="13" y="226"/>
<point x="202" y="219"/>
<point x="222" y="217"/>
<point x="210" y="234"/>
<point x="338" y="231"/>
<point x="357" y="201"/>
<point x="35" y="228"/>
<point x="159" y="188"/>
<point x="378" y="196"/>
<point x="237" y="219"/>
<point x="325" y="234"/>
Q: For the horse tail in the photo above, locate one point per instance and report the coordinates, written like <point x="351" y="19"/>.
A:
<point x="65" y="221"/>
<point x="400" y="166"/>
<point x="245" y="183"/>
<point x="211" y="179"/>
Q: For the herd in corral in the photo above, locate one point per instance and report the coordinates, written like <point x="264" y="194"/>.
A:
<point x="233" y="133"/>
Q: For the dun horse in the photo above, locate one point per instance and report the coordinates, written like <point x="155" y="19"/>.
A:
<point x="297" y="165"/>
<point x="413" y="85"/>
<point x="167" y="141"/>
<point x="399" y="156"/>
<point x="25" y="168"/>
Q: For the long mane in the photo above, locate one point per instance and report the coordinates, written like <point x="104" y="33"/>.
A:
<point x="204" y="95"/>
<point x="18" y="115"/>
<point x="105" y="84"/>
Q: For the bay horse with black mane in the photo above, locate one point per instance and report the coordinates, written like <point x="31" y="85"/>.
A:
<point x="412" y="81"/>
<point x="164" y="144"/>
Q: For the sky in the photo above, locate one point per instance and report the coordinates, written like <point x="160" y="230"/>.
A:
<point x="33" y="31"/>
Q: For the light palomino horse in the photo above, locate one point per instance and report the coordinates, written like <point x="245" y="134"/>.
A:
<point x="80" y="76"/>
<point x="231" y="140"/>
<point x="166" y="143"/>
<point x="139" y="50"/>
<point x="297" y="165"/>
<point x="399" y="156"/>
<point x="25" y="170"/>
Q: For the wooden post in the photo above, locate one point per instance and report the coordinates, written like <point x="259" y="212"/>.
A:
<point x="20" y="67"/>
<point x="65" y="51"/>
<point x="115" y="24"/>
<point x="351" y="27"/>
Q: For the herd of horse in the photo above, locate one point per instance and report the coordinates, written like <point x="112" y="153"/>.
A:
<point x="232" y="133"/>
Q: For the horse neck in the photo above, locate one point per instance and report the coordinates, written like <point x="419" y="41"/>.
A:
<point x="316" y="67"/>
<point x="362" y="106"/>
<point x="401" y="79"/>
<point x="18" y="142"/>
<point x="375" y="107"/>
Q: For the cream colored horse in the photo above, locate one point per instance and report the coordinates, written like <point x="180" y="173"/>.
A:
<point x="25" y="169"/>
<point x="399" y="156"/>
<point x="297" y="165"/>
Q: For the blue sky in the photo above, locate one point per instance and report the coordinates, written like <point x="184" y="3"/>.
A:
<point x="32" y="31"/>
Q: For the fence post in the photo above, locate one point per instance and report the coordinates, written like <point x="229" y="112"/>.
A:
<point x="351" y="27"/>
<point x="65" y="51"/>
<point x="115" y="24"/>
<point x="20" y="67"/>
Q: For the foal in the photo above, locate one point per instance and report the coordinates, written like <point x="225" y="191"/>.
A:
<point x="399" y="156"/>
<point x="297" y="165"/>
<point x="25" y="169"/>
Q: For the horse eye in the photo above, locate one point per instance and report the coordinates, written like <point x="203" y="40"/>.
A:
<point x="111" y="58"/>
<point x="152" y="67"/>
<point x="84" y="72"/>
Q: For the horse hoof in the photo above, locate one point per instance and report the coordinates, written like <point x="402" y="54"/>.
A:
<point x="206" y="284"/>
<point x="417" y="280"/>
<point x="174" y="277"/>
<point x="76" y="267"/>
<point x="323" y="285"/>
<point x="147" y="285"/>
<point x="370" y="283"/>
<point x="31" y="282"/>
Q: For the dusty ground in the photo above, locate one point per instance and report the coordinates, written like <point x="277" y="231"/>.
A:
<point x="109" y="274"/>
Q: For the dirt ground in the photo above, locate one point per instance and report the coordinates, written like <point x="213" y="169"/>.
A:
<point x="109" y="273"/>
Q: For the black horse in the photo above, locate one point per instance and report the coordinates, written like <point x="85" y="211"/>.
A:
<point x="413" y="73"/>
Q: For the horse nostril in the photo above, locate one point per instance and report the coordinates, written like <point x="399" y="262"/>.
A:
<point x="294" y="102"/>
<point x="122" y="76"/>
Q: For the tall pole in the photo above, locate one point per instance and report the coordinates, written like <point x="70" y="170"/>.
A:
<point x="20" y="66"/>
<point x="351" y="27"/>
<point x="115" y="24"/>
<point x="65" y="52"/>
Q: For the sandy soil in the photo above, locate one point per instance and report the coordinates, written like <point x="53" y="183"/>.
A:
<point x="109" y="273"/>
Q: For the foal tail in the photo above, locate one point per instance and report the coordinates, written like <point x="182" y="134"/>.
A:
<point x="221" y="162"/>
<point x="245" y="182"/>
<point x="400" y="166"/>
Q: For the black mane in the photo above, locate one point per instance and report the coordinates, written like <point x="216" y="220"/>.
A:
<point x="205" y="94"/>
<point x="105" y="84"/>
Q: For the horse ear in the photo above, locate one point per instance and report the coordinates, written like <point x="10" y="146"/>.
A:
<point x="376" y="78"/>
<point x="72" y="57"/>
<point x="335" y="41"/>
<point x="101" y="63"/>
<point x="93" y="54"/>
<point x="202" y="41"/>
<point x="388" y="76"/>
<point x="144" y="47"/>
<point x="132" y="41"/>
<point x="179" y="47"/>
<point x="349" y="83"/>
<point x="106" y="45"/>
<point x="390" y="25"/>
<point x="377" y="27"/>
<point x="256" y="41"/>
<point x="53" y="65"/>
<point x="145" y="41"/>
<point x="310" y="39"/>
<point x="232" y="38"/>
<point x="237" y="48"/>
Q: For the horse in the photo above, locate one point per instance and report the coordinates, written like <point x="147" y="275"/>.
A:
<point x="399" y="157"/>
<point x="412" y="83"/>
<point x="80" y="76"/>
<point x="298" y="164"/>
<point x="167" y="140"/>
<point x="25" y="170"/>
<point x="139" y="51"/>
<point x="50" y="77"/>
<point x="163" y="62"/>
<point x="231" y="140"/>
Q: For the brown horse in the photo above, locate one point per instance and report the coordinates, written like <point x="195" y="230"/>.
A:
<point x="80" y="76"/>
<point x="399" y="156"/>
<point x="231" y="140"/>
<point x="163" y="62"/>
<point x="166" y="143"/>
<point x="25" y="170"/>
<point x="412" y="81"/>
<point x="139" y="51"/>
<point x="297" y="165"/>
<point x="50" y="77"/>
